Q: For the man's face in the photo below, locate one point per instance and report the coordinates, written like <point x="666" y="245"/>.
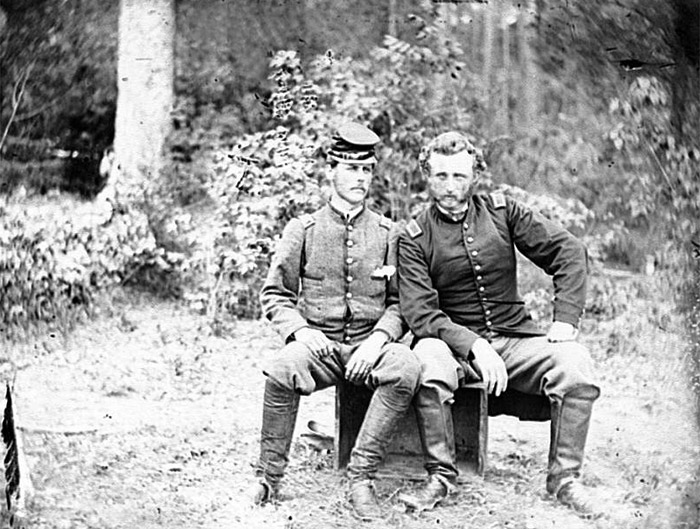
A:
<point x="452" y="179"/>
<point x="351" y="181"/>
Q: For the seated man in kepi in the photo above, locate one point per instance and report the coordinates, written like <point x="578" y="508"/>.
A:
<point x="458" y="286"/>
<point x="332" y="294"/>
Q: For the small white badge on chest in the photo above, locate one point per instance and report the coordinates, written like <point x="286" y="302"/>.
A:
<point x="384" y="272"/>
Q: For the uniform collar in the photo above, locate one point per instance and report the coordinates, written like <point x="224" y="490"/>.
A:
<point x="346" y="216"/>
<point x="448" y="216"/>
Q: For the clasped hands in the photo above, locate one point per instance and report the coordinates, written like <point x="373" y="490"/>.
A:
<point x="490" y="366"/>
<point x="362" y="360"/>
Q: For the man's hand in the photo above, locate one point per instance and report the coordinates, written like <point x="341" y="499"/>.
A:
<point x="316" y="341"/>
<point x="365" y="356"/>
<point x="562" y="332"/>
<point x="490" y="366"/>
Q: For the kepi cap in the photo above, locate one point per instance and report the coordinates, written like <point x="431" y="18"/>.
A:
<point x="353" y="143"/>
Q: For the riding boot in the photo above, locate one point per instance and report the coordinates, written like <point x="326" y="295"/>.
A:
<point x="280" y="407"/>
<point x="436" y="430"/>
<point x="571" y="416"/>
<point x="387" y="407"/>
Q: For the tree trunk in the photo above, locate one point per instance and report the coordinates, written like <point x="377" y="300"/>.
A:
<point x="528" y="75"/>
<point x="489" y="22"/>
<point x="504" y="110"/>
<point x="145" y="73"/>
<point x="391" y="29"/>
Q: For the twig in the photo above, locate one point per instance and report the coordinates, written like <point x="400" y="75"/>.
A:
<point x="661" y="167"/>
<point x="57" y="431"/>
<point x="16" y="98"/>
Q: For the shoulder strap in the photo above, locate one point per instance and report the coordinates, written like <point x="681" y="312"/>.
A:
<point x="413" y="229"/>
<point x="499" y="200"/>
<point x="307" y="220"/>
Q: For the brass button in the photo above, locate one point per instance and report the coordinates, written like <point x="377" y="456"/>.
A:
<point x="479" y="278"/>
<point x="348" y="260"/>
<point x="348" y="295"/>
<point x="470" y="239"/>
<point x="477" y="267"/>
<point x="488" y="324"/>
<point x="481" y="289"/>
<point x="475" y="253"/>
<point x="350" y="227"/>
<point x="349" y="278"/>
<point x="488" y="312"/>
<point x="349" y="243"/>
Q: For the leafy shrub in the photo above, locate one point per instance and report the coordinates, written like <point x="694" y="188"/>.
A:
<point x="50" y="274"/>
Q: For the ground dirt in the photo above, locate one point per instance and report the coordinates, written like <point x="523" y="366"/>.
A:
<point x="145" y="417"/>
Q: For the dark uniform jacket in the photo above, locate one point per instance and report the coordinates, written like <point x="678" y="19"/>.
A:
<point x="457" y="279"/>
<point x="335" y="275"/>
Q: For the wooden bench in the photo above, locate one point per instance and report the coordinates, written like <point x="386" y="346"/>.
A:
<point x="470" y="411"/>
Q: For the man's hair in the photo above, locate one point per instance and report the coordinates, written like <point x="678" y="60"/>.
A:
<point x="449" y="143"/>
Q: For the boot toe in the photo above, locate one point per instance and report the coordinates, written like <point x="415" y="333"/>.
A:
<point x="581" y="499"/>
<point x="429" y="496"/>
<point x="363" y="500"/>
<point x="260" y="493"/>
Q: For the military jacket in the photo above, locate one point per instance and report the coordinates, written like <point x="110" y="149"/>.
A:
<point x="458" y="279"/>
<point x="336" y="275"/>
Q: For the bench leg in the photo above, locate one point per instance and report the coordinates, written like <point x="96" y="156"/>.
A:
<point x="351" y="404"/>
<point x="405" y="458"/>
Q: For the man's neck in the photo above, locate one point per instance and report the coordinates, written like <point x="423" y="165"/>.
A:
<point x="349" y="211"/>
<point x="454" y="215"/>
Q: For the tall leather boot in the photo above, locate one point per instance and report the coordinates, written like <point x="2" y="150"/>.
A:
<point x="571" y="417"/>
<point x="280" y="407"/>
<point x="436" y="430"/>
<point x="387" y="407"/>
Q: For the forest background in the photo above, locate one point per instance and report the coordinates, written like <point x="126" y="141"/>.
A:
<point x="587" y="111"/>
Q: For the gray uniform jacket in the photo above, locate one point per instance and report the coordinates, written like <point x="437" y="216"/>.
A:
<point x="335" y="275"/>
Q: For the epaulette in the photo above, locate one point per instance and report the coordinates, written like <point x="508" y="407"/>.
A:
<point x="413" y="229"/>
<point x="499" y="200"/>
<point x="385" y="223"/>
<point x="307" y="220"/>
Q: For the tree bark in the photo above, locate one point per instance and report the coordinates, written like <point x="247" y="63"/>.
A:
<point x="504" y="110"/>
<point x="528" y="74"/>
<point x="145" y="73"/>
<point x="488" y="56"/>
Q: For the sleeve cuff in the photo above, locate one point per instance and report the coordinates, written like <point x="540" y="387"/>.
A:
<point x="568" y="313"/>
<point x="291" y="325"/>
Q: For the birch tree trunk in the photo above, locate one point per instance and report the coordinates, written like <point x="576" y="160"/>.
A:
<point x="488" y="56"/>
<point x="504" y="110"/>
<point x="145" y="73"/>
<point x="528" y="72"/>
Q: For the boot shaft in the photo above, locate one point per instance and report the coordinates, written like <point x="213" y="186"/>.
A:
<point x="571" y="417"/>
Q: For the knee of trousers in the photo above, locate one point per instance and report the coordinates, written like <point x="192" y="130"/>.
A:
<point x="571" y="372"/>
<point x="397" y="367"/>
<point x="439" y="368"/>
<point x="291" y="368"/>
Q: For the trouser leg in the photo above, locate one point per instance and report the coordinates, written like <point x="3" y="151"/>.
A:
<point x="440" y="374"/>
<point x="564" y="373"/>
<point x="294" y="372"/>
<point x="394" y="380"/>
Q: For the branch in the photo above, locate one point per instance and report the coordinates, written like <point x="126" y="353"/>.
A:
<point x="16" y="99"/>
<point x="35" y="112"/>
